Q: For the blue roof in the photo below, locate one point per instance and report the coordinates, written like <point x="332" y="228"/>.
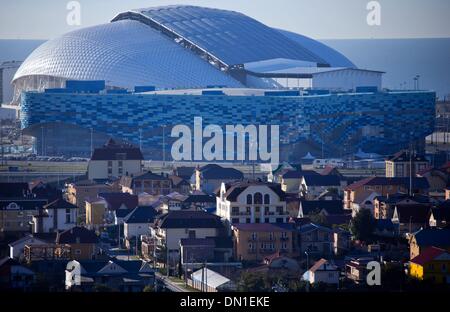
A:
<point x="231" y="37"/>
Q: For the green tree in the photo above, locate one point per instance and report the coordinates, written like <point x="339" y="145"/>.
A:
<point x="363" y="225"/>
<point x="253" y="282"/>
<point x="148" y="288"/>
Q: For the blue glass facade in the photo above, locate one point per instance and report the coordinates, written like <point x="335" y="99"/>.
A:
<point x="380" y="122"/>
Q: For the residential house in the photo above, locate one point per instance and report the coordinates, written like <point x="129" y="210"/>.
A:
<point x="280" y="262"/>
<point x="251" y="202"/>
<point x="291" y="179"/>
<point x="324" y="272"/>
<point x="356" y="269"/>
<point x="405" y="164"/>
<point x="148" y="182"/>
<point x="255" y="241"/>
<point x="83" y="242"/>
<point x="438" y="179"/>
<point x="210" y="177"/>
<point x="199" y="202"/>
<point x="138" y="223"/>
<point x="431" y="264"/>
<point x="114" y="160"/>
<point x="15" y="276"/>
<point x="180" y="185"/>
<point x="103" y="209"/>
<point x="312" y="186"/>
<point x="16" y="248"/>
<point x="17" y="213"/>
<point x="79" y="192"/>
<point x="440" y="216"/>
<point x="342" y="240"/>
<point x="20" y="201"/>
<point x="325" y="207"/>
<point x="360" y="190"/>
<point x="173" y="201"/>
<point x="186" y="173"/>
<point x="173" y="226"/>
<point x="59" y="215"/>
<point x="119" y="275"/>
<point x="428" y="237"/>
<point x="383" y="206"/>
<point x="315" y="240"/>
<point x="411" y="218"/>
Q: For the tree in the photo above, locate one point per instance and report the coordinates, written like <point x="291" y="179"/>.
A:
<point x="148" y="288"/>
<point x="253" y="282"/>
<point x="363" y="225"/>
<point x="318" y="218"/>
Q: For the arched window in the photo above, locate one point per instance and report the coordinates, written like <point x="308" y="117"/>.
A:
<point x="267" y="199"/>
<point x="249" y="199"/>
<point x="258" y="199"/>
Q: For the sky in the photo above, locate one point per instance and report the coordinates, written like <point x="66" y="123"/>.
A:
<point x="319" y="19"/>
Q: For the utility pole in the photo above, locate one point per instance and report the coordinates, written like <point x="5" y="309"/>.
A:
<point x="410" y="171"/>
<point x="42" y="140"/>
<point x="164" y="145"/>
<point x="92" y="141"/>
<point x="140" y="139"/>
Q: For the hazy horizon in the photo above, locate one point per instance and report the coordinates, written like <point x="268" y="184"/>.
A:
<point x="325" y="19"/>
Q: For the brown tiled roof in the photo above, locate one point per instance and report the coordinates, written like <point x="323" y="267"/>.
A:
<point x="417" y="182"/>
<point x="264" y="227"/>
<point x="233" y="190"/>
<point x="77" y="235"/>
<point x="110" y="150"/>
<point x="116" y="200"/>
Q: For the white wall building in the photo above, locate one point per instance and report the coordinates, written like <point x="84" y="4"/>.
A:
<point x="7" y="72"/>
<point x="252" y="202"/>
<point x="322" y="272"/>
<point x="58" y="215"/>
<point x="114" y="160"/>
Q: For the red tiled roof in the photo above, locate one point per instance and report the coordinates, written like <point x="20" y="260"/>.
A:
<point x="428" y="255"/>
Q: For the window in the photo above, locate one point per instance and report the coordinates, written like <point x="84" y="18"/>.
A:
<point x="267" y="199"/>
<point x="248" y="220"/>
<point x="257" y="220"/>
<point x="109" y="163"/>
<point x="271" y="235"/>
<point x="235" y="211"/>
<point x="258" y="198"/>
<point x="254" y="236"/>
<point x="191" y="233"/>
<point x="257" y="209"/>
<point x="283" y="234"/>
<point x="248" y="210"/>
<point x="266" y="210"/>
<point x="120" y="163"/>
<point x="78" y="251"/>
<point x="109" y="171"/>
<point x="249" y="199"/>
<point x="68" y="219"/>
<point x="280" y="209"/>
<point x="266" y="220"/>
<point x="235" y="220"/>
<point x="280" y="220"/>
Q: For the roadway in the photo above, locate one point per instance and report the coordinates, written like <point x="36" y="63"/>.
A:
<point x="172" y="286"/>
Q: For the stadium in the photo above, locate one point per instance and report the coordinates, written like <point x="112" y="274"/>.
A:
<point x="156" y="67"/>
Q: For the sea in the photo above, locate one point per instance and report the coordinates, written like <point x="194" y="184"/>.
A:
<point x="401" y="59"/>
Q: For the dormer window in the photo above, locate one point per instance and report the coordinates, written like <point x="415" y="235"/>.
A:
<point x="249" y="199"/>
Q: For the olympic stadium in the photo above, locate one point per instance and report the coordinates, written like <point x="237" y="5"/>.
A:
<point x="149" y="69"/>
